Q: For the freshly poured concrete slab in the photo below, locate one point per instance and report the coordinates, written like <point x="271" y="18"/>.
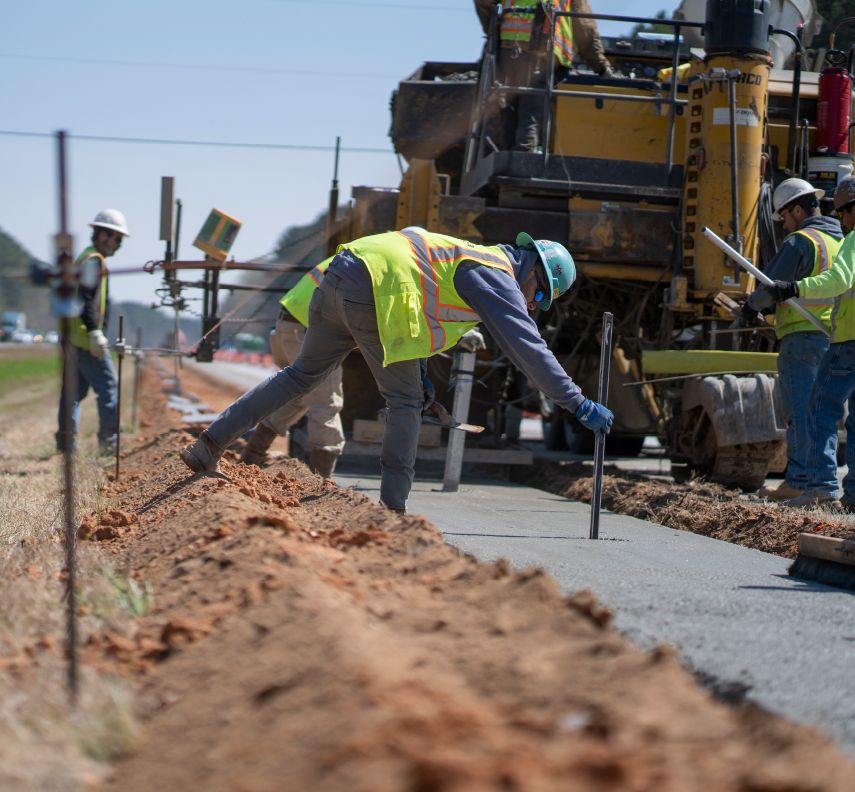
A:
<point x="735" y="616"/>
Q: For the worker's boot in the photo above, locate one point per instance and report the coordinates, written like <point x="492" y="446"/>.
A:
<point x="391" y="509"/>
<point x="259" y="444"/>
<point x="780" y="493"/>
<point x="201" y="456"/>
<point x="322" y="462"/>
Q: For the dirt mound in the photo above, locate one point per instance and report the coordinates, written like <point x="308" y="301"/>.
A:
<point x="699" y="507"/>
<point x="302" y="637"/>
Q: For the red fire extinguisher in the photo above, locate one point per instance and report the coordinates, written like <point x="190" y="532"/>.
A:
<point x="832" y="112"/>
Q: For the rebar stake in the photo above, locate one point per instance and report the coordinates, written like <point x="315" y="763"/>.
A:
<point x="600" y="440"/>
<point x="65" y="305"/>
<point x="464" y="370"/>
<point x="120" y="352"/>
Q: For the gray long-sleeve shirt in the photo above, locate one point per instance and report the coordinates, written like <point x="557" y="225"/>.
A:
<point x="795" y="258"/>
<point x="497" y="299"/>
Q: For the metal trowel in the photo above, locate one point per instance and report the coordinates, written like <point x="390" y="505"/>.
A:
<point x="449" y="423"/>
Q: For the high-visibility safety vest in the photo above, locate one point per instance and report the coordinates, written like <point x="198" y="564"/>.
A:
<point x="788" y="320"/>
<point x="297" y="300"/>
<point x="419" y="312"/>
<point x="519" y="27"/>
<point x="79" y="335"/>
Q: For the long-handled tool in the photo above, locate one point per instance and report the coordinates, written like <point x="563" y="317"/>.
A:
<point x="600" y="440"/>
<point x="764" y="279"/>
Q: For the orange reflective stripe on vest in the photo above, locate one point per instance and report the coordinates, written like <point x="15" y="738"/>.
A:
<point x="427" y="257"/>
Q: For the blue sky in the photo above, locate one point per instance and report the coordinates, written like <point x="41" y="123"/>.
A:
<point x="295" y="72"/>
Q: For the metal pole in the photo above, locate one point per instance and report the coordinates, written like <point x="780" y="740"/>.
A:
<point x="762" y="277"/>
<point x="734" y="165"/>
<point x="137" y="373"/>
<point x="464" y="369"/>
<point x="600" y="440"/>
<point x="332" y="208"/>
<point x="66" y="300"/>
<point x="120" y="351"/>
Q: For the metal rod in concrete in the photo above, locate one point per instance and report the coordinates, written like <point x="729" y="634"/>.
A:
<point x="600" y="439"/>
<point x="463" y="371"/>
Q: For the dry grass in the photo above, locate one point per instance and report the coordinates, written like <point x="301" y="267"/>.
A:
<point x="44" y="743"/>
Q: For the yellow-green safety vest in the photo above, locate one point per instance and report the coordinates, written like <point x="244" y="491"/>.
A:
<point x="787" y="319"/>
<point x="519" y="27"/>
<point x="297" y="300"/>
<point x="419" y="312"/>
<point x="79" y="334"/>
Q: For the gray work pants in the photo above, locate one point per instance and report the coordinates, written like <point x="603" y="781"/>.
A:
<point x="322" y="404"/>
<point x="336" y="327"/>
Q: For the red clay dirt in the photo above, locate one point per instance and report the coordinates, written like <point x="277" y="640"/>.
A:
<point x="302" y="637"/>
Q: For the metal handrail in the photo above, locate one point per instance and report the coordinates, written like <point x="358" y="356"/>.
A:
<point x="475" y="153"/>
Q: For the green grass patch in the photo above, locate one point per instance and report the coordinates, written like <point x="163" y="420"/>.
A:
<point x="22" y="371"/>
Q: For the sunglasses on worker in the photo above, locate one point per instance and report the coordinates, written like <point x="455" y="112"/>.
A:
<point x="542" y="287"/>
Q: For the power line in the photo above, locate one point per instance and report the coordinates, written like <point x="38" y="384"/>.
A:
<point x="193" y="66"/>
<point x="219" y="143"/>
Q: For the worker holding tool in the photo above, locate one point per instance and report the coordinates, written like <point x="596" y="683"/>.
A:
<point x="523" y="57"/>
<point x="400" y="297"/>
<point x="835" y="379"/>
<point x="92" y="358"/>
<point x="322" y="404"/>
<point x="810" y="246"/>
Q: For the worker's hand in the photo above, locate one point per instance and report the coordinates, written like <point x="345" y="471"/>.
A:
<point x="595" y="416"/>
<point x="437" y="411"/>
<point x="472" y="341"/>
<point x="777" y="292"/>
<point x="98" y="344"/>
<point x="750" y="316"/>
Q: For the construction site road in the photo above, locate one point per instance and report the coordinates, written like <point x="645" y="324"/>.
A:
<point x="743" y="626"/>
<point x="739" y="622"/>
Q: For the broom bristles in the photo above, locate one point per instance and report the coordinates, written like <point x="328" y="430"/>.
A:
<point x="820" y="570"/>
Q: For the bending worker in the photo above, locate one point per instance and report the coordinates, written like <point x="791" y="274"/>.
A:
<point x="402" y="296"/>
<point x="323" y="403"/>
<point x="92" y="359"/>
<point x="811" y="244"/>
<point x="835" y="379"/>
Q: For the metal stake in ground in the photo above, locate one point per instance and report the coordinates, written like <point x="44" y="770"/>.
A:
<point x="137" y="375"/>
<point x="120" y="352"/>
<point x="464" y="369"/>
<point x="600" y="440"/>
<point x="66" y="306"/>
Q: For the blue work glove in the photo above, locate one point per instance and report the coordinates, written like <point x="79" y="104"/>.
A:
<point x="595" y="416"/>
<point x="780" y="291"/>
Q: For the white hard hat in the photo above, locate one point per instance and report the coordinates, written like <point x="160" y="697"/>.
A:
<point x="112" y="219"/>
<point x="788" y="191"/>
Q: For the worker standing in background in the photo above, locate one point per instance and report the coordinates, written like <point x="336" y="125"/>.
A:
<point x="400" y="297"/>
<point x="92" y="359"/>
<point x="810" y="246"/>
<point x="523" y="58"/>
<point x="835" y="379"/>
<point x="323" y="404"/>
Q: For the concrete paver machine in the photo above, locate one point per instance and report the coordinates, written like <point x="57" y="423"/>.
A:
<point x="631" y="168"/>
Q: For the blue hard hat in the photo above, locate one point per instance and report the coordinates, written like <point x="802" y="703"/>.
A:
<point x="557" y="264"/>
